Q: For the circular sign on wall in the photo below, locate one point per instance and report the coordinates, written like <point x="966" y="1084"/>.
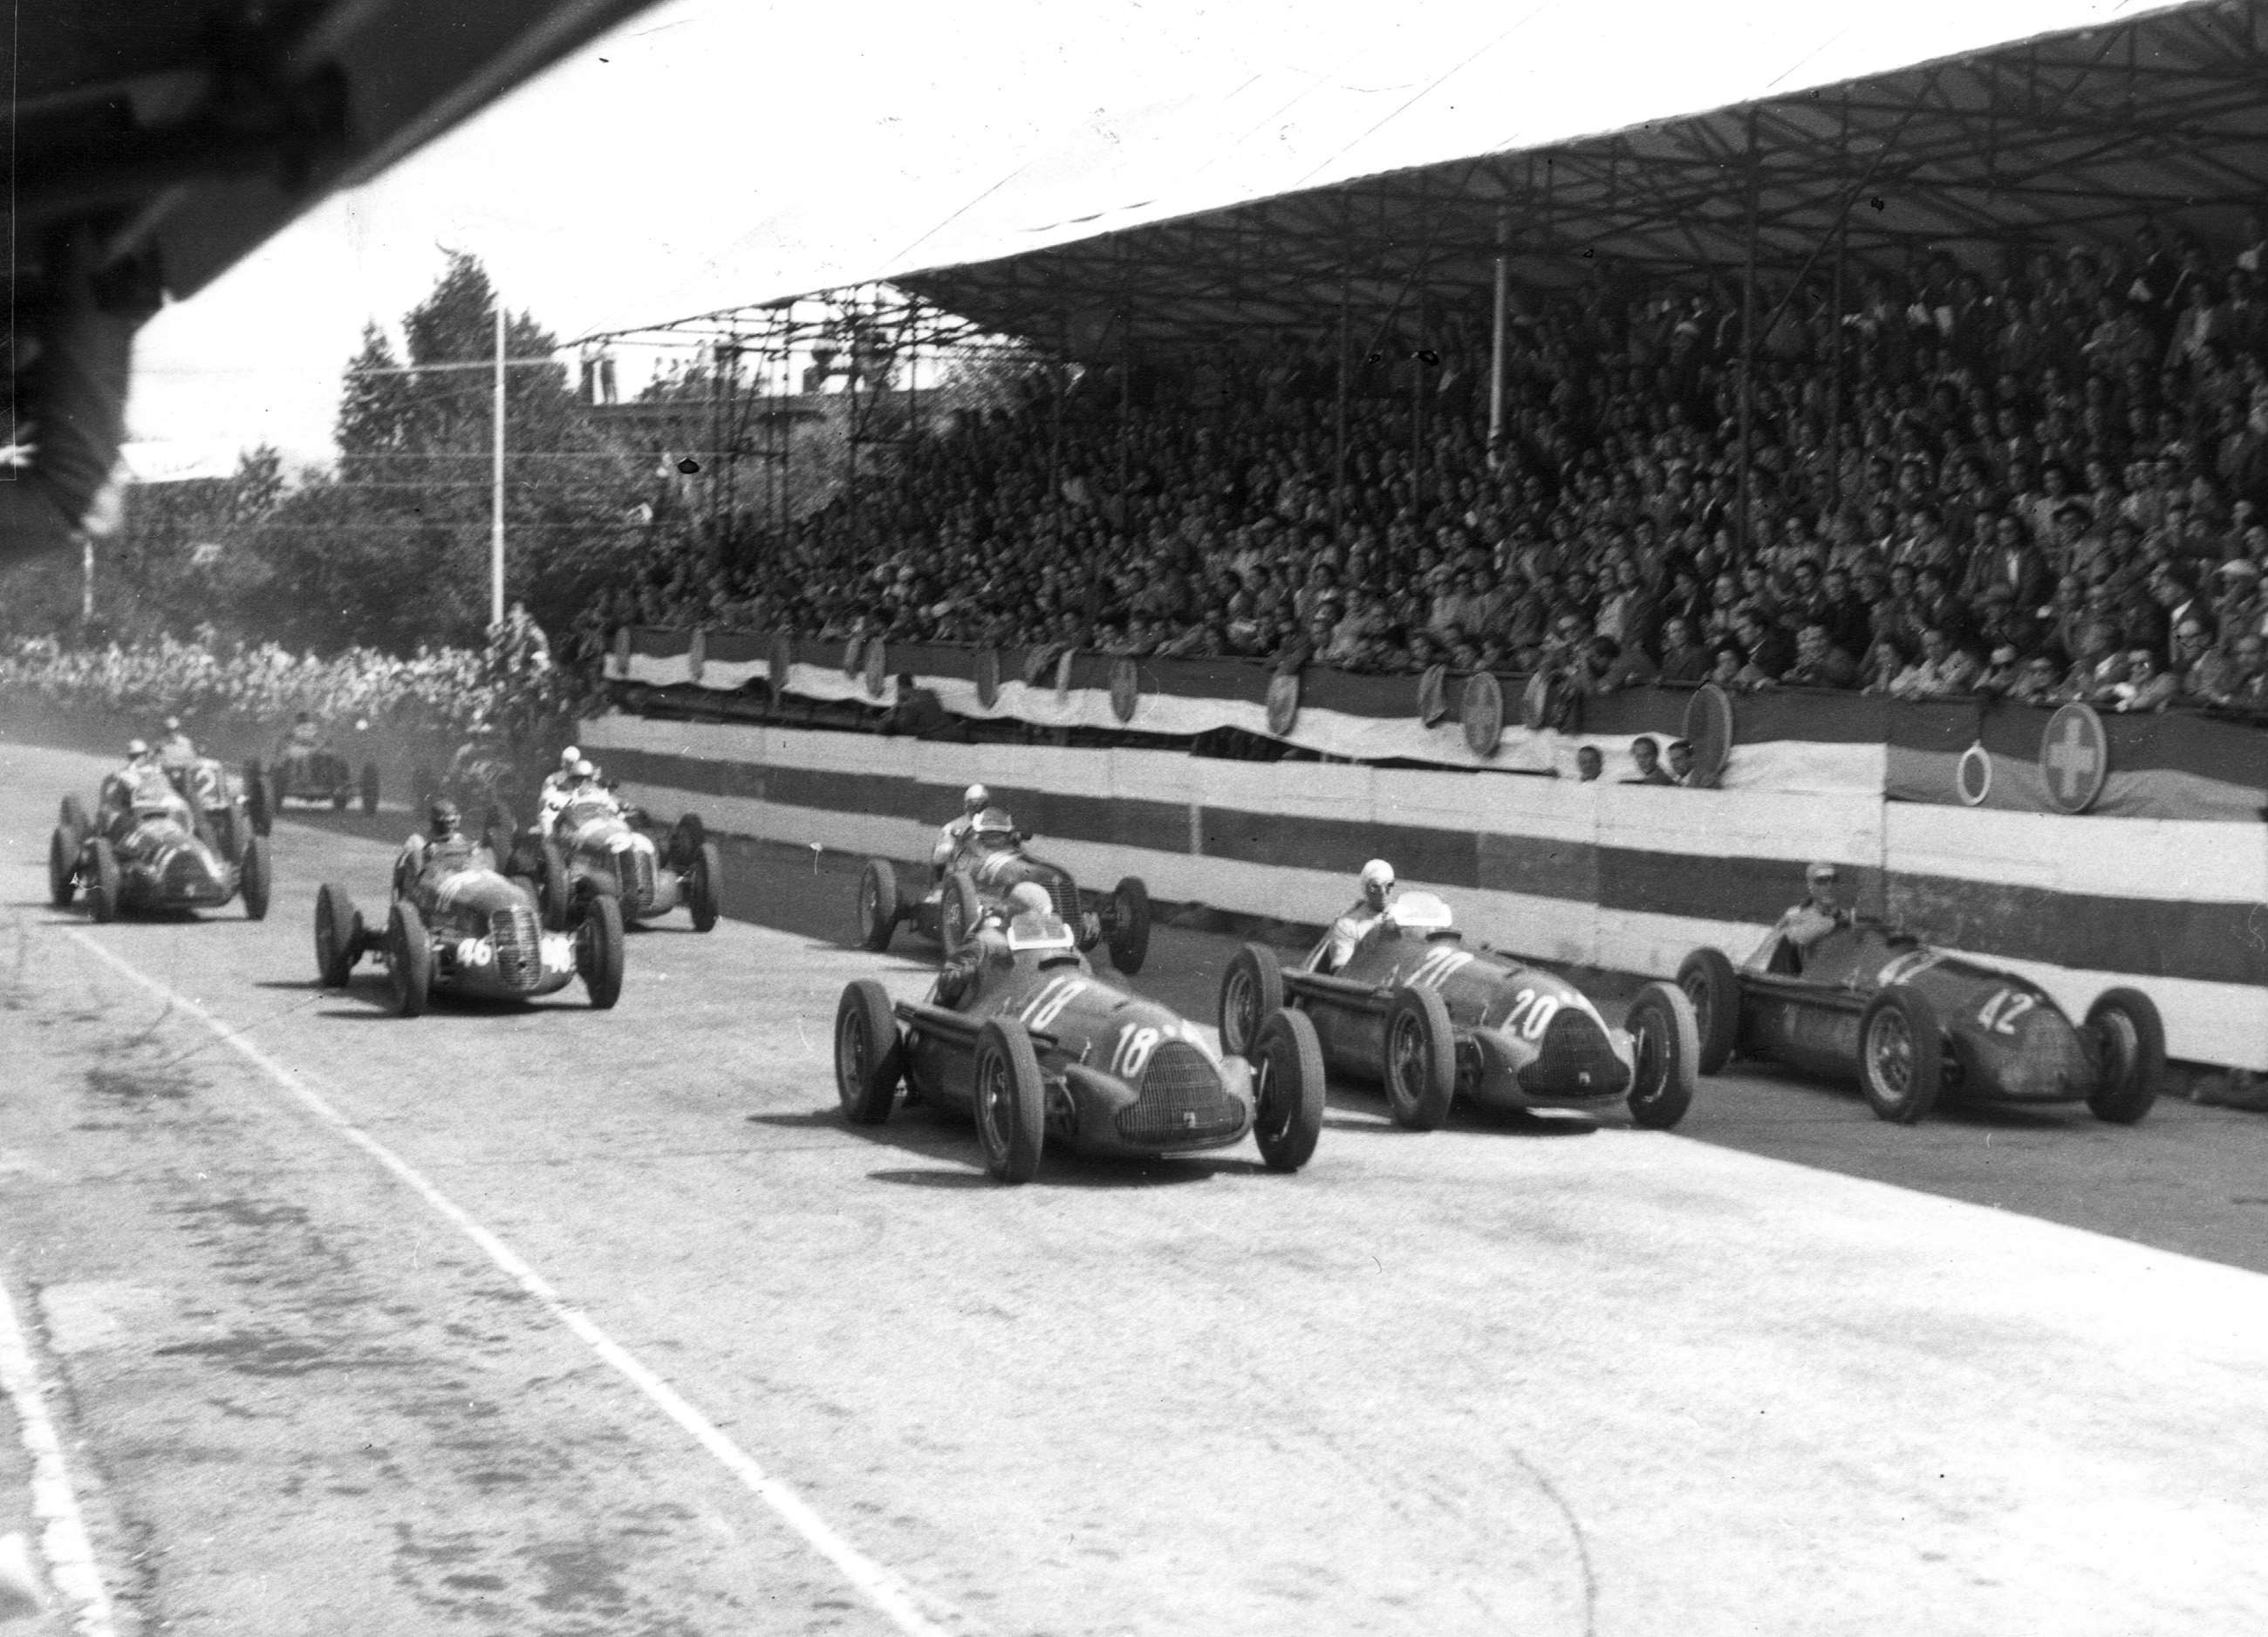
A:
<point x="1125" y="688"/>
<point x="2074" y="758"/>
<point x="1433" y="695"/>
<point x="1709" y="733"/>
<point x="988" y="678"/>
<point x="851" y="652"/>
<point x="1482" y="711"/>
<point x="1972" y="775"/>
<point x="1063" y="679"/>
<point x="1282" y="702"/>
<point x="878" y="654"/>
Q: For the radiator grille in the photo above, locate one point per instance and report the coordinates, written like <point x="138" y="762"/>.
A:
<point x="637" y="877"/>
<point x="1575" y="1046"/>
<point x="519" y="946"/>
<point x="1183" y="1101"/>
<point x="1065" y="897"/>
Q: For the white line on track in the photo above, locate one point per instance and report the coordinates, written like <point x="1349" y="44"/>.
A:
<point x="62" y="1531"/>
<point x="917" y="1614"/>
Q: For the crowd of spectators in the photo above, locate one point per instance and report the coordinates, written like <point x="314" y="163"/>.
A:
<point x="2046" y="480"/>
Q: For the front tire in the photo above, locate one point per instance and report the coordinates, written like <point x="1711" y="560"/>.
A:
<point x="62" y="867"/>
<point x="338" y="936"/>
<point x="1251" y="993"/>
<point x="1901" y="1055"/>
<point x="2131" y="1042"/>
<point x="105" y="892"/>
<point x="1421" y="1060"/>
<point x="1713" y="988"/>
<point x="252" y="880"/>
<point x="1287" y="1091"/>
<point x="958" y="914"/>
<point x="551" y="884"/>
<point x="598" y="951"/>
<point x="1129" y="925"/>
<point x="408" y="960"/>
<point x="1011" y="1100"/>
<point x="704" y="886"/>
<point x="878" y="905"/>
<point x="1665" y="1056"/>
<point x="868" y="1060"/>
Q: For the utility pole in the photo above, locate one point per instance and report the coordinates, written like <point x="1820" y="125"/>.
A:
<point x="495" y="497"/>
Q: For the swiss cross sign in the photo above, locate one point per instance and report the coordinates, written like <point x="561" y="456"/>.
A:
<point x="2074" y="758"/>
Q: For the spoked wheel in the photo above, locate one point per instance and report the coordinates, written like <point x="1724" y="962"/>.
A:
<point x="338" y="936"/>
<point x="2130" y="1043"/>
<point x="958" y="914"/>
<point x="598" y="951"/>
<point x="1714" y="990"/>
<point x="1901" y="1055"/>
<point x="408" y="960"/>
<point x="1421" y="1060"/>
<point x="252" y="880"/>
<point x="1010" y="1101"/>
<point x="1129" y="925"/>
<point x="1287" y="1091"/>
<point x="705" y="887"/>
<point x="1251" y="991"/>
<point x="552" y="883"/>
<point x="878" y="904"/>
<point x="868" y="1062"/>
<point x="62" y="867"/>
<point x="106" y="891"/>
<point x="73" y="815"/>
<point x="1665" y="1056"/>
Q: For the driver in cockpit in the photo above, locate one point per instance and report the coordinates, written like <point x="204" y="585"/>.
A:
<point x="1026" y="921"/>
<point x="1368" y="911"/>
<point x="1820" y="914"/>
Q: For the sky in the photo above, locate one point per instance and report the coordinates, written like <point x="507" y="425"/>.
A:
<point x="712" y="152"/>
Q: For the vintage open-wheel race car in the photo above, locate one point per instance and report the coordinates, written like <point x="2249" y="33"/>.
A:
<point x="979" y="877"/>
<point x="1913" y="1024"/>
<point x="1432" y="1021"/>
<point x="314" y="773"/>
<point x="595" y="849"/>
<point x="155" y="856"/>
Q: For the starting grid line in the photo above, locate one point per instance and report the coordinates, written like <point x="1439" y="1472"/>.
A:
<point x="915" y="1613"/>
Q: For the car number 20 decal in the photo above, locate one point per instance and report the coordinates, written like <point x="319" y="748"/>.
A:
<point x="1531" y="1014"/>
<point x="1999" y="1014"/>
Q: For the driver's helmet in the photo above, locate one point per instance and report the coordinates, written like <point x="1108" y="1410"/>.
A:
<point x="442" y="818"/>
<point x="137" y="749"/>
<point x="1424" y="912"/>
<point x="975" y="799"/>
<point x="568" y="758"/>
<point x="584" y="770"/>
<point x="993" y="830"/>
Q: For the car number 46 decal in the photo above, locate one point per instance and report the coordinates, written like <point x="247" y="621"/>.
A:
<point x="1999" y="1014"/>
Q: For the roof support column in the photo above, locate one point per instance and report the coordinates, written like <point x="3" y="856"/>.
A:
<point x="1496" y="340"/>
<point x="1749" y="350"/>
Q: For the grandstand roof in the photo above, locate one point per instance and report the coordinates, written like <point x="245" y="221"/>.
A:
<point x="1974" y="123"/>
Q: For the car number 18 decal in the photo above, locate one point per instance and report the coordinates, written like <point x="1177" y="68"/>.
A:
<point x="1042" y="1010"/>
<point x="1999" y="1014"/>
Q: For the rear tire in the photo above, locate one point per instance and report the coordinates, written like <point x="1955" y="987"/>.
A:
<point x="73" y="816"/>
<point x="551" y="886"/>
<point x="1420" y="1070"/>
<point x="598" y="951"/>
<point x="1129" y="925"/>
<point x="252" y="880"/>
<point x="1251" y="993"/>
<point x="1901" y="1055"/>
<point x="370" y="789"/>
<point x="2131" y="1040"/>
<point x="105" y="892"/>
<point x="408" y="959"/>
<point x="868" y="1060"/>
<point x="259" y="800"/>
<point x="63" y="866"/>
<point x="1011" y="1100"/>
<point x="338" y="936"/>
<point x="1665" y="1056"/>
<point x="1287" y="1091"/>
<point x="878" y="905"/>
<point x="705" y="887"/>
<point x="958" y="914"/>
<point x="1714" y="990"/>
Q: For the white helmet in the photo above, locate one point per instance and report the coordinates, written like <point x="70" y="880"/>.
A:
<point x="585" y="769"/>
<point x="568" y="758"/>
<point x="1380" y="874"/>
<point x="975" y="799"/>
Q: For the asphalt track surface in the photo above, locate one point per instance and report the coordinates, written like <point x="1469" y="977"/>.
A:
<point x="543" y="1320"/>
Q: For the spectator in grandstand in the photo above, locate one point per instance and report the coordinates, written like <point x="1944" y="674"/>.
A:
<point x="1819" y="661"/>
<point x="2147" y="686"/>
<point x="1678" y="757"/>
<point x="1588" y="763"/>
<point x="1646" y="757"/>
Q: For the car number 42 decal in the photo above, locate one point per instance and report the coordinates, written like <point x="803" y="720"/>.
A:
<point x="1999" y="1014"/>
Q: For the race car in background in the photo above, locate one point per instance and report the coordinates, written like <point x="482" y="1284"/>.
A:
<point x="154" y="858"/>
<point x="468" y="932"/>
<point x="1432" y="1020"/>
<point x="597" y="849"/>
<point x="1913" y="1025"/>
<point x="1042" y="1052"/>
<point x="991" y="859"/>
<point x="313" y="773"/>
<point x="229" y="810"/>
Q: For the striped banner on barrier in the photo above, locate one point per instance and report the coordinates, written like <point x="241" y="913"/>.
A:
<point x="1624" y="877"/>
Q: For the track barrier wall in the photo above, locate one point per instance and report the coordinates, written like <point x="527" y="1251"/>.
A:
<point x="1623" y="877"/>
